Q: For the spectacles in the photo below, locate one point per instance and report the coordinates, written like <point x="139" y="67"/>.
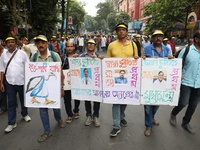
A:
<point x="91" y="44"/>
<point x="38" y="42"/>
<point x="158" y="35"/>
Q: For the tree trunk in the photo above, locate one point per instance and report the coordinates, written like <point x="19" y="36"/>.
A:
<point x="63" y="16"/>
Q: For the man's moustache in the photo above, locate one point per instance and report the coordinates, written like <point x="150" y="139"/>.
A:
<point x="41" y="47"/>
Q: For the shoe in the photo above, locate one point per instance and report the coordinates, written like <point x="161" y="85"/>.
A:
<point x="147" y="132"/>
<point x="27" y="118"/>
<point x="44" y="136"/>
<point x="69" y="119"/>
<point x="88" y="121"/>
<point x="76" y="115"/>
<point x="188" y="128"/>
<point x="10" y="128"/>
<point x="114" y="132"/>
<point x="172" y="120"/>
<point x="96" y="122"/>
<point x="156" y="123"/>
<point x="61" y="124"/>
<point x="123" y="123"/>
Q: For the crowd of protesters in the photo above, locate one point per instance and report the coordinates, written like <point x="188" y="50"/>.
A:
<point x="89" y="46"/>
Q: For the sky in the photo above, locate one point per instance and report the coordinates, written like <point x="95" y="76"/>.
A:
<point x="90" y="6"/>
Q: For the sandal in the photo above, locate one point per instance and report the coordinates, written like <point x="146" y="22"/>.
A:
<point x="76" y="115"/>
<point x="69" y="119"/>
<point x="44" y="136"/>
<point x="156" y="123"/>
<point x="147" y="132"/>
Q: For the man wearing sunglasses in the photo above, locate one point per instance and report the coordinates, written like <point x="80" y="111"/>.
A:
<point x="91" y="47"/>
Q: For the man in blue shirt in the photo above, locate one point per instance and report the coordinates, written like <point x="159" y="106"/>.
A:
<point x="190" y="85"/>
<point x="156" y="49"/>
<point x="121" y="79"/>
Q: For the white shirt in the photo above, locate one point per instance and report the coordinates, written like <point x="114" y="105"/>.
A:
<point x="160" y="85"/>
<point x="103" y="42"/>
<point x="16" y="69"/>
<point x="89" y="81"/>
<point x="145" y="44"/>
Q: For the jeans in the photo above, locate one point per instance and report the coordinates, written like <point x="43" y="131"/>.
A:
<point x="3" y="101"/>
<point x="68" y="105"/>
<point x="44" y="115"/>
<point x="12" y="91"/>
<point x="118" y="112"/>
<point x="88" y="108"/>
<point x="150" y="112"/>
<point x="99" y="47"/>
<point x="188" y="96"/>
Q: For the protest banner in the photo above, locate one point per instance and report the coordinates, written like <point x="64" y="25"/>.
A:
<point x="161" y="79"/>
<point x="42" y="84"/>
<point x="67" y="80"/>
<point x="86" y="79"/>
<point x="121" y="80"/>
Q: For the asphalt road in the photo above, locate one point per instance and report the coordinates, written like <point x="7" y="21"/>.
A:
<point x="77" y="136"/>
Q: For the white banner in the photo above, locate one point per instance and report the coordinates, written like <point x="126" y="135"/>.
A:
<point x="42" y="84"/>
<point x="86" y="78"/>
<point x="121" y="80"/>
<point x="161" y="79"/>
<point x="67" y="80"/>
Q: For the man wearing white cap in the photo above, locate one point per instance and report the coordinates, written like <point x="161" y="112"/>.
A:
<point x="91" y="46"/>
<point x="156" y="49"/>
<point x="44" y="55"/>
<point x="12" y="63"/>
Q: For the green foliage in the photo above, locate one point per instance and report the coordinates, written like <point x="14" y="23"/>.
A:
<point x="166" y="13"/>
<point x="103" y="10"/>
<point x="77" y="12"/>
<point x="111" y="21"/>
<point x="122" y="17"/>
<point x="42" y="16"/>
<point x="7" y="21"/>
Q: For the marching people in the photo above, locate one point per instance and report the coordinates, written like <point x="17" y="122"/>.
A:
<point x="165" y="42"/>
<point x="146" y="41"/>
<point x="90" y="47"/>
<point x="190" y="85"/>
<point x="3" y="99"/>
<point x="156" y="49"/>
<point x="12" y="64"/>
<point x="122" y="48"/>
<point x="70" y="48"/>
<point x="44" y="55"/>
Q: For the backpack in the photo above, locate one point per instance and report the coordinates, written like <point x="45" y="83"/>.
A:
<point x="133" y="48"/>
<point x="35" y="56"/>
<point x="184" y="55"/>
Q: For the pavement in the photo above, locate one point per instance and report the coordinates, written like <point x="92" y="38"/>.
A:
<point x="77" y="136"/>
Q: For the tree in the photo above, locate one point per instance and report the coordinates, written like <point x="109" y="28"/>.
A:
<point x="122" y="17"/>
<point x="77" y="12"/>
<point x="103" y="10"/>
<point x="42" y="16"/>
<point x="9" y="16"/>
<point x="111" y="21"/>
<point x="167" y="13"/>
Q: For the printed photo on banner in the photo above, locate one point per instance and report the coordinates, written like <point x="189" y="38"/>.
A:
<point x="86" y="76"/>
<point x="86" y="79"/>
<point x="121" y="80"/>
<point x="42" y="84"/>
<point x="161" y="79"/>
